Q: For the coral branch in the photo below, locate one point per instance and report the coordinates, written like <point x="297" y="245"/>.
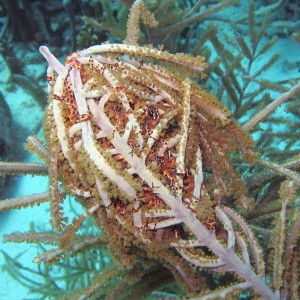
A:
<point x="24" y="201"/>
<point x="281" y="170"/>
<point x="255" y="120"/>
<point x="21" y="168"/>
<point x="138" y="10"/>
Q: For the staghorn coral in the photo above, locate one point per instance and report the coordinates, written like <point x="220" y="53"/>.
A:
<point x="152" y="157"/>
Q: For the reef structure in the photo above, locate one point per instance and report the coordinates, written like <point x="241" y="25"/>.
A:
<point x="150" y="155"/>
<point x="131" y="134"/>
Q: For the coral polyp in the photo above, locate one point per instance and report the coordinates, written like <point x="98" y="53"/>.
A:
<point x="132" y="136"/>
<point x="156" y="161"/>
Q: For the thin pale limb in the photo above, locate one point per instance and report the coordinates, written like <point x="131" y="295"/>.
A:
<point x="21" y="168"/>
<point x="255" y="120"/>
<point x="281" y="170"/>
<point x="24" y="201"/>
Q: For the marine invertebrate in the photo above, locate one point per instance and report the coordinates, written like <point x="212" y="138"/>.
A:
<point x="150" y="155"/>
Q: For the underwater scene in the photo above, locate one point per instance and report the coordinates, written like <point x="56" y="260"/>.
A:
<point x="149" y="149"/>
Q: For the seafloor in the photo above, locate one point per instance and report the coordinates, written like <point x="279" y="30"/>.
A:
<point x="22" y="84"/>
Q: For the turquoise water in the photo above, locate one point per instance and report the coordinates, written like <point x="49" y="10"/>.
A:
<point x="65" y="27"/>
